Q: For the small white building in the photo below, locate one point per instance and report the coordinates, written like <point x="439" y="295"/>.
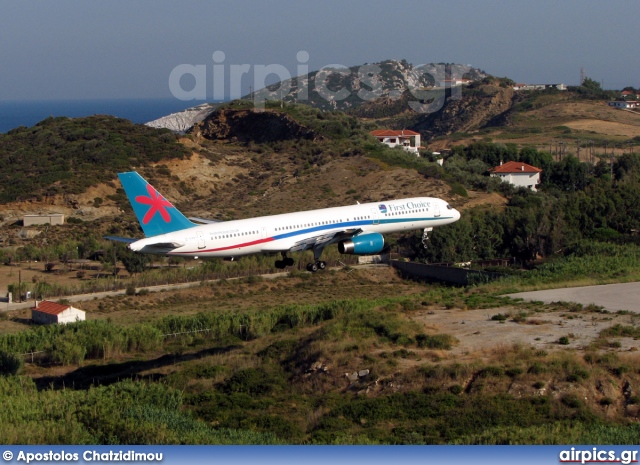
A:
<point x="523" y="86"/>
<point x="624" y="104"/>
<point x="50" y="218"/>
<point x="48" y="313"/>
<point x="454" y="82"/>
<point x="408" y="140"/>
<point x="518" y="173"/>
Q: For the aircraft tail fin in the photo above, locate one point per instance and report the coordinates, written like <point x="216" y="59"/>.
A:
<point x="155" y="214"/>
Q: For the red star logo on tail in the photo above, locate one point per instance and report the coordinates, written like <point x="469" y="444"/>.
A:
<point x="157" y="204"/>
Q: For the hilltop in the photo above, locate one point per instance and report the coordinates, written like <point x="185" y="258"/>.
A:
<point x="348" y="88"/>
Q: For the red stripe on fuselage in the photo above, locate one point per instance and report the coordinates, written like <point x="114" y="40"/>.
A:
<point x="237" y="246"/>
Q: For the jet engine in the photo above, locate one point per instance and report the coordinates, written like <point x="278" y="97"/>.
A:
<point x="362" y="244"/>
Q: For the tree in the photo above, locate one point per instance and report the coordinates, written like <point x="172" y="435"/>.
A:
<point x="591" y="85"/>
<point x="135" y="262"/>
<point x="10" y="364"/>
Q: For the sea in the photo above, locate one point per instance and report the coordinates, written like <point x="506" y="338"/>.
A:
<point x="15" y="113"/>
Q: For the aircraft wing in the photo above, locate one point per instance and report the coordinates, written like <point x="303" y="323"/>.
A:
<point x="126" y="240"/>
<point x="324" y="239"/>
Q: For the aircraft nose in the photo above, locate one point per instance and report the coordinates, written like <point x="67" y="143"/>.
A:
<point x="456" y="214"/>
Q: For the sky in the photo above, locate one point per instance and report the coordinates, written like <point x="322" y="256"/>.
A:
<point x="77" y="49"/>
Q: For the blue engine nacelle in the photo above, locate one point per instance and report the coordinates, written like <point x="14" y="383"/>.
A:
<point x="362" y="244"/>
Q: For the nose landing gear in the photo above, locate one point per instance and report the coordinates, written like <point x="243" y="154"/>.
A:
<point x="425" y="237"/>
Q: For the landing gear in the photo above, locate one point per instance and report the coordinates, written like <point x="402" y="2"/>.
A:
<point x="319" y="265"/>
<point x="286" y="261"/>
<point x="313" y="267"/>
<point x="425" y="237"/>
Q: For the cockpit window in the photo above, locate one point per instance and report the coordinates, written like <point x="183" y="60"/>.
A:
<point x="449" y="207"/>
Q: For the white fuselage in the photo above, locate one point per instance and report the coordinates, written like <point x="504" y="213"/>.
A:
<point x="281" y="233"/>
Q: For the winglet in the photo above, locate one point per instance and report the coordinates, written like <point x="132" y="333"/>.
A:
<point x="155" y="214"/>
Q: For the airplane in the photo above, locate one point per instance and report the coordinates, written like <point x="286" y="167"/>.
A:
<point x="357" y="229"/>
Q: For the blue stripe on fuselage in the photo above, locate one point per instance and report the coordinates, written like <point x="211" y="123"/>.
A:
<point x="350" y="224"/>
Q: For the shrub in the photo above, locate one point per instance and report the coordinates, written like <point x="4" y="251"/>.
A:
<point x="458" y="189"/>
<point x="571" y="401"/>
<point x="537" y="368"/>
<point x="10" y="363"/>
<point x="456" y="389"/>
<point x="513" y="372"/>
<point x="436" y="341"/>
<point x="492" y="371"/>
<point x="564" y="340"/>
<point x="131" y="290"/>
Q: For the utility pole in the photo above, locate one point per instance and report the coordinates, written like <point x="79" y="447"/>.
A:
<point x="115" y="269"/>
<point x="611" y="167"/>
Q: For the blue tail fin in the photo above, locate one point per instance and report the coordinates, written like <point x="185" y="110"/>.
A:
<point x="155" y="213"/>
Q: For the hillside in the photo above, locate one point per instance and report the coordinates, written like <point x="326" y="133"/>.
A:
<point x="348" y="88"/>
<point x="64" y="156"/>
<point x="236" y="163"/>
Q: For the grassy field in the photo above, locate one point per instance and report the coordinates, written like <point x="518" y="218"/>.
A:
<point x="339" y="357"/>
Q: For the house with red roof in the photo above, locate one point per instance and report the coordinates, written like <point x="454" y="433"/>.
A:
<point x="518" y="173"/>
<point x="408" y="140"/>
<point x="47" y="312"/>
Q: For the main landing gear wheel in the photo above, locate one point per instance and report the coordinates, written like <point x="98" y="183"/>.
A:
<point x="286" y="261"/>
<point x="319" y="265"/>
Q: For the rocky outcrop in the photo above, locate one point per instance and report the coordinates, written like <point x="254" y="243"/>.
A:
<point x="477" y="106"/>
<point x="182" y="121"/>
<point x="251" y="126"/>
<point x="342" y="88"/>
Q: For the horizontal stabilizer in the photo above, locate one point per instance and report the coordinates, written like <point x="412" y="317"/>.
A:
<point x="165" y="245"/>
<point x="126" y="240"/>
<point x="154" y="247"/>
<point x="203" y="220"/>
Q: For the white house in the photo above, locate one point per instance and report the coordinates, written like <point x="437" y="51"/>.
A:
<point x="47" y="313"/>
<point x="454" y="82"/>
<point x="518" y="173"/>
<point x="408" y="140"/>
<point x="623" y="104"/>
<point x="522" y="86"/>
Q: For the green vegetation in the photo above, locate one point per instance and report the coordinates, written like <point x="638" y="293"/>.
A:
<point x="123" y="413"/>
<point x="580" y="211"/>
<point x="65" y="156"/>
<point x="275" y="374"/>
